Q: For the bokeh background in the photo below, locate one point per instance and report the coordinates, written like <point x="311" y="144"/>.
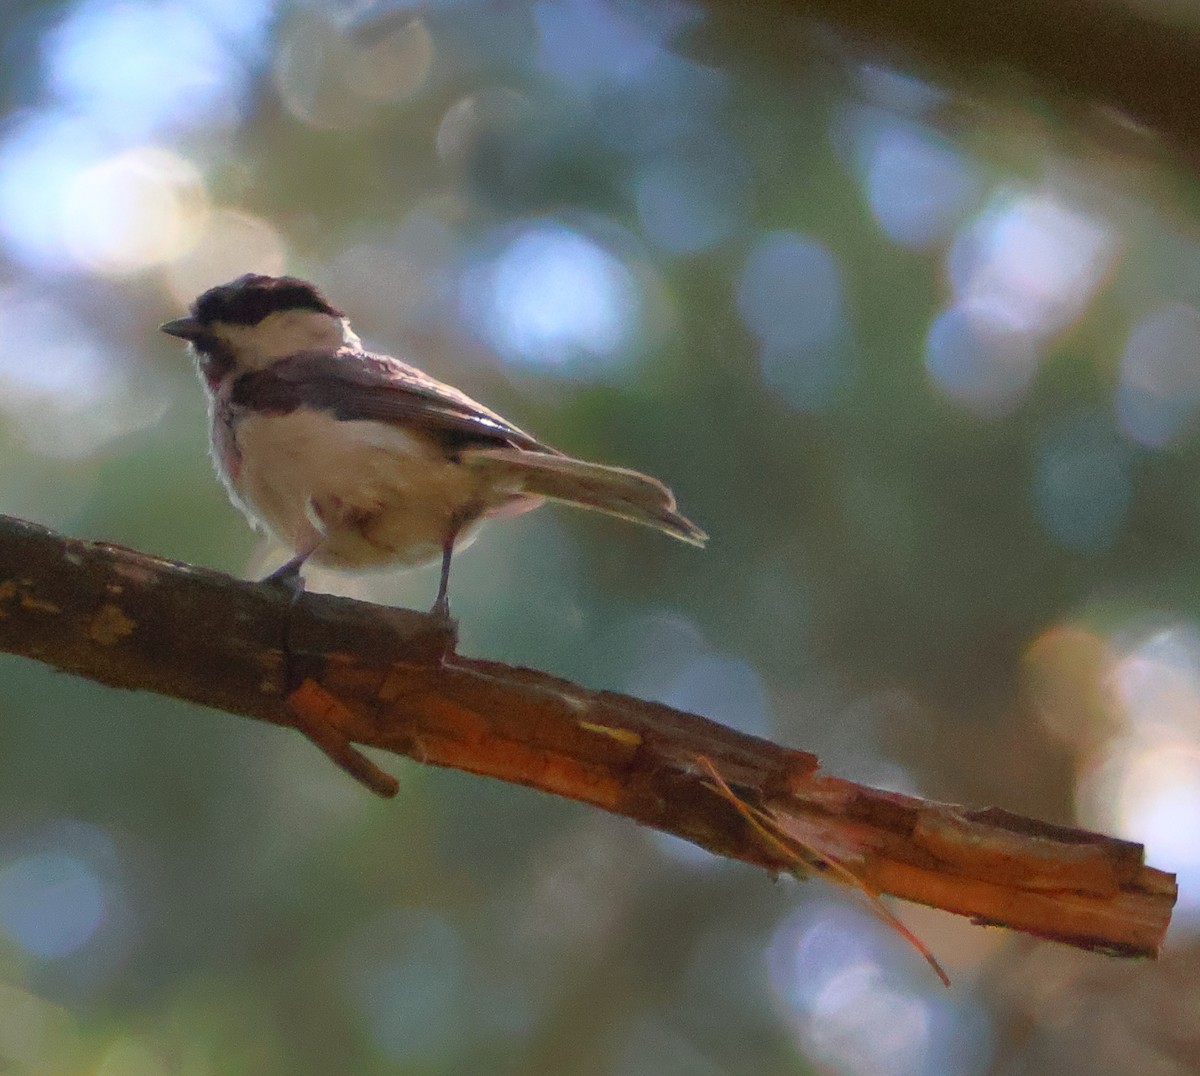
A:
<point x="921" y="353"/>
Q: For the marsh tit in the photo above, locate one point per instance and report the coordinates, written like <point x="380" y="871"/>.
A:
<point x="356" y="460"/>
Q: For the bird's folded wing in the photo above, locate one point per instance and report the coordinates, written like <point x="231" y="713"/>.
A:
<point x="358" y="385"/>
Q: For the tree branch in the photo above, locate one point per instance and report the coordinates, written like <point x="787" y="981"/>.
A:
<point x="1114" y="55"/>
<point x="389" y="678"/>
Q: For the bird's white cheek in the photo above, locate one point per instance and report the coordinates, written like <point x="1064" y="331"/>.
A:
<point x="284" y="333"/>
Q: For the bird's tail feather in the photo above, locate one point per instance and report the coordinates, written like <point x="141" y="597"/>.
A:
<point x="619" y="492"/>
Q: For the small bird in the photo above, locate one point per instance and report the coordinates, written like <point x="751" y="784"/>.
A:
<point x="356" y="460"/>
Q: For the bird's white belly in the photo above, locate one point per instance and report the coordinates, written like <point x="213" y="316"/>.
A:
<point x="355" y="494"/>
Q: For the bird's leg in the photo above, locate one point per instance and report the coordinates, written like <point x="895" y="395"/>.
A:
<point x="441" y="605"/>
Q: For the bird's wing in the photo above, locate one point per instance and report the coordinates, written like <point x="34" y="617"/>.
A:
<point x="358" y="385"/>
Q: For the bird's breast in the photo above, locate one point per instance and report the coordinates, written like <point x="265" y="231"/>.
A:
<point x="357" y="493"/>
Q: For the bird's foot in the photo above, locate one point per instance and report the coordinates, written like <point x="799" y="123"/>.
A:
<point x="288" y="576"/>
<point x="440" y="610"/>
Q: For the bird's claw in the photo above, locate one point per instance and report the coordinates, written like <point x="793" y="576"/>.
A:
<point x="441" y="610"/>
<point x="287" y="576"/>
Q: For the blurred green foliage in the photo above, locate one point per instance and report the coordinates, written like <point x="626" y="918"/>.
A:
<point x="893" y="527"/>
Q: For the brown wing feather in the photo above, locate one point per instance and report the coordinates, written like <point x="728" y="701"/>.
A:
<point x="358" y="385"/>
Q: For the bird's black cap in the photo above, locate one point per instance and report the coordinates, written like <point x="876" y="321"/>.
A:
<point x="246" y="301"/>
<point x="250" y="298"/>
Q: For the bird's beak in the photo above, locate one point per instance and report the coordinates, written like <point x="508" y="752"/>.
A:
<point x="184" y="328"/>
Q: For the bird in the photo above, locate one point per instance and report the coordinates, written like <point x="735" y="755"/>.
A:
<point x="357" y="460"/>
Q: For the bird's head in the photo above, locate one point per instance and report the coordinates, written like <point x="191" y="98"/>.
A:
<point x="251" y="322"/>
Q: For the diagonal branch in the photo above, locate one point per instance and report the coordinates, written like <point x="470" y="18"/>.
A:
<point x="1097" y="57"/>
<point x="394" y="682"/>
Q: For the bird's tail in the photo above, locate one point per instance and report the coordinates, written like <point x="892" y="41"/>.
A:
<point x="618" y="492"/>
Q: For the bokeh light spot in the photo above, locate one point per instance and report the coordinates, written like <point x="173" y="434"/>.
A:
<point x="984" y="366"/>
<point x="1158" y="397"/>
<point x="790" y="291"/>
<point x="51" y="903"/>
<point x="41" y="156"/>
<point x="727" y="690"/>
<point x="837" y="978"/>
<point x="1032" y="262"/>
<point x="330" y="77"/>
<point x="73" y="396"/>
<point x="790" y="296"/>
<point x="1066" y="672"/>
<point x="865" y="1024"/>
<point x="1159" y="805"/>
<point x="139" y="68"/>
<point x="1150" y="792"/>
<point x="1143" y="781"/>
<point x="472" y="119"/>
<point x="918" y="185"/>
<point x="554" y="297"/>
<point x="396" y="66"/>
<point x="138" y="209"/>
<point x="587" y="44"/>
<point x="688" y="204"/>
<point x="314" y="60"/>
<point x="1157" y="684"/>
